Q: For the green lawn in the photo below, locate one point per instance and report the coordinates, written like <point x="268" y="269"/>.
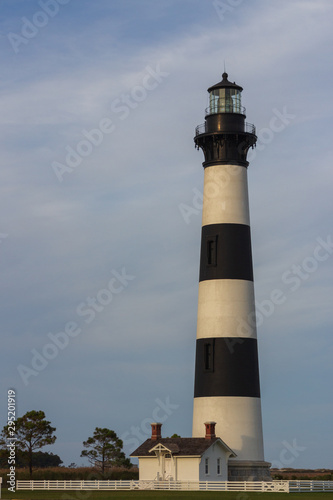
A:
<point x="160" y="495"/>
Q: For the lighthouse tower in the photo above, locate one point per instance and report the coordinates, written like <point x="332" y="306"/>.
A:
<point x="227" y="387"/>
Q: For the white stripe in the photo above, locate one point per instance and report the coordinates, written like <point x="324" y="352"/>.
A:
<point x="238" y="423"/>
<point x="225" y="195"/>
<point x="226" y="309"/>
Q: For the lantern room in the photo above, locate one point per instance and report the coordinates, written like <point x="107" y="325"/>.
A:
<point x="225" y="136"/>
<point x="225" y="97"/>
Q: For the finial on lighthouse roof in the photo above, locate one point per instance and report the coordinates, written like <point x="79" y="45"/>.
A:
<point x="225" y="83"/>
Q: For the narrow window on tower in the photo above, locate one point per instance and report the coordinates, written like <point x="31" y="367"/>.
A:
<point x="212" y="250"/>
<point x="209" y="356"/>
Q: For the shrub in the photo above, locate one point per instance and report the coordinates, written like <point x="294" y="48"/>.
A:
<point x="69" y="473"/>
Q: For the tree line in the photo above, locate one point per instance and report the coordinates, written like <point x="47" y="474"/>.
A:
<point x="33" y="432"/>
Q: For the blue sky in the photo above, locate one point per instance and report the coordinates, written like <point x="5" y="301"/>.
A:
<point x="99" y="101"/>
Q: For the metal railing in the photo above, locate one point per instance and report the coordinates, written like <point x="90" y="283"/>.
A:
<point x="250" y="128"/>
<point x="202" y="129"/>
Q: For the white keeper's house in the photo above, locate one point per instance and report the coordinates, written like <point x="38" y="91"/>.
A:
<point x="183" y="459"/>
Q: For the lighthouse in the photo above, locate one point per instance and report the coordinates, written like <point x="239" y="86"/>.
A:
<point x="226" y="388"/>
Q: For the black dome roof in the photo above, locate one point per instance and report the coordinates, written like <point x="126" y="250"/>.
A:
<point x="224" y="83"/>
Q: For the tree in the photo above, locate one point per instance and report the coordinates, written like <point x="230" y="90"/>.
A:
<point x="43" y="459"/>
<point x="32" y="432"/>
<point x="40" y="459"/>
<point x="4" y="454"/>
<point x="105" y="448"/>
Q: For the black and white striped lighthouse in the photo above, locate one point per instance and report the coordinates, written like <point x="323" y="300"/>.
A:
<point x="227" y="387"/>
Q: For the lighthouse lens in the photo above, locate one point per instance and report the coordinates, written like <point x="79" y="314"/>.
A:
<point x="225" y="100"/>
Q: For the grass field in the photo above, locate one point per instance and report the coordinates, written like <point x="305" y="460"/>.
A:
<point x="160" y="495"/>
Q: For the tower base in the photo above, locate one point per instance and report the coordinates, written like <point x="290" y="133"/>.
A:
<point x="248" y="470"/>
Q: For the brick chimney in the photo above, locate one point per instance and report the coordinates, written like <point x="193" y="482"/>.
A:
<point x="210" y="430"/>
<point x="156" y="431"/>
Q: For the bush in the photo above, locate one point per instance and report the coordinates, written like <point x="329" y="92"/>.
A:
<point x="69" y="473"/>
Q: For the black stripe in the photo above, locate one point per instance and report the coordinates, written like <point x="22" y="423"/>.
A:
<point x="229" y="367"/>
<point x="226" y="252"/>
